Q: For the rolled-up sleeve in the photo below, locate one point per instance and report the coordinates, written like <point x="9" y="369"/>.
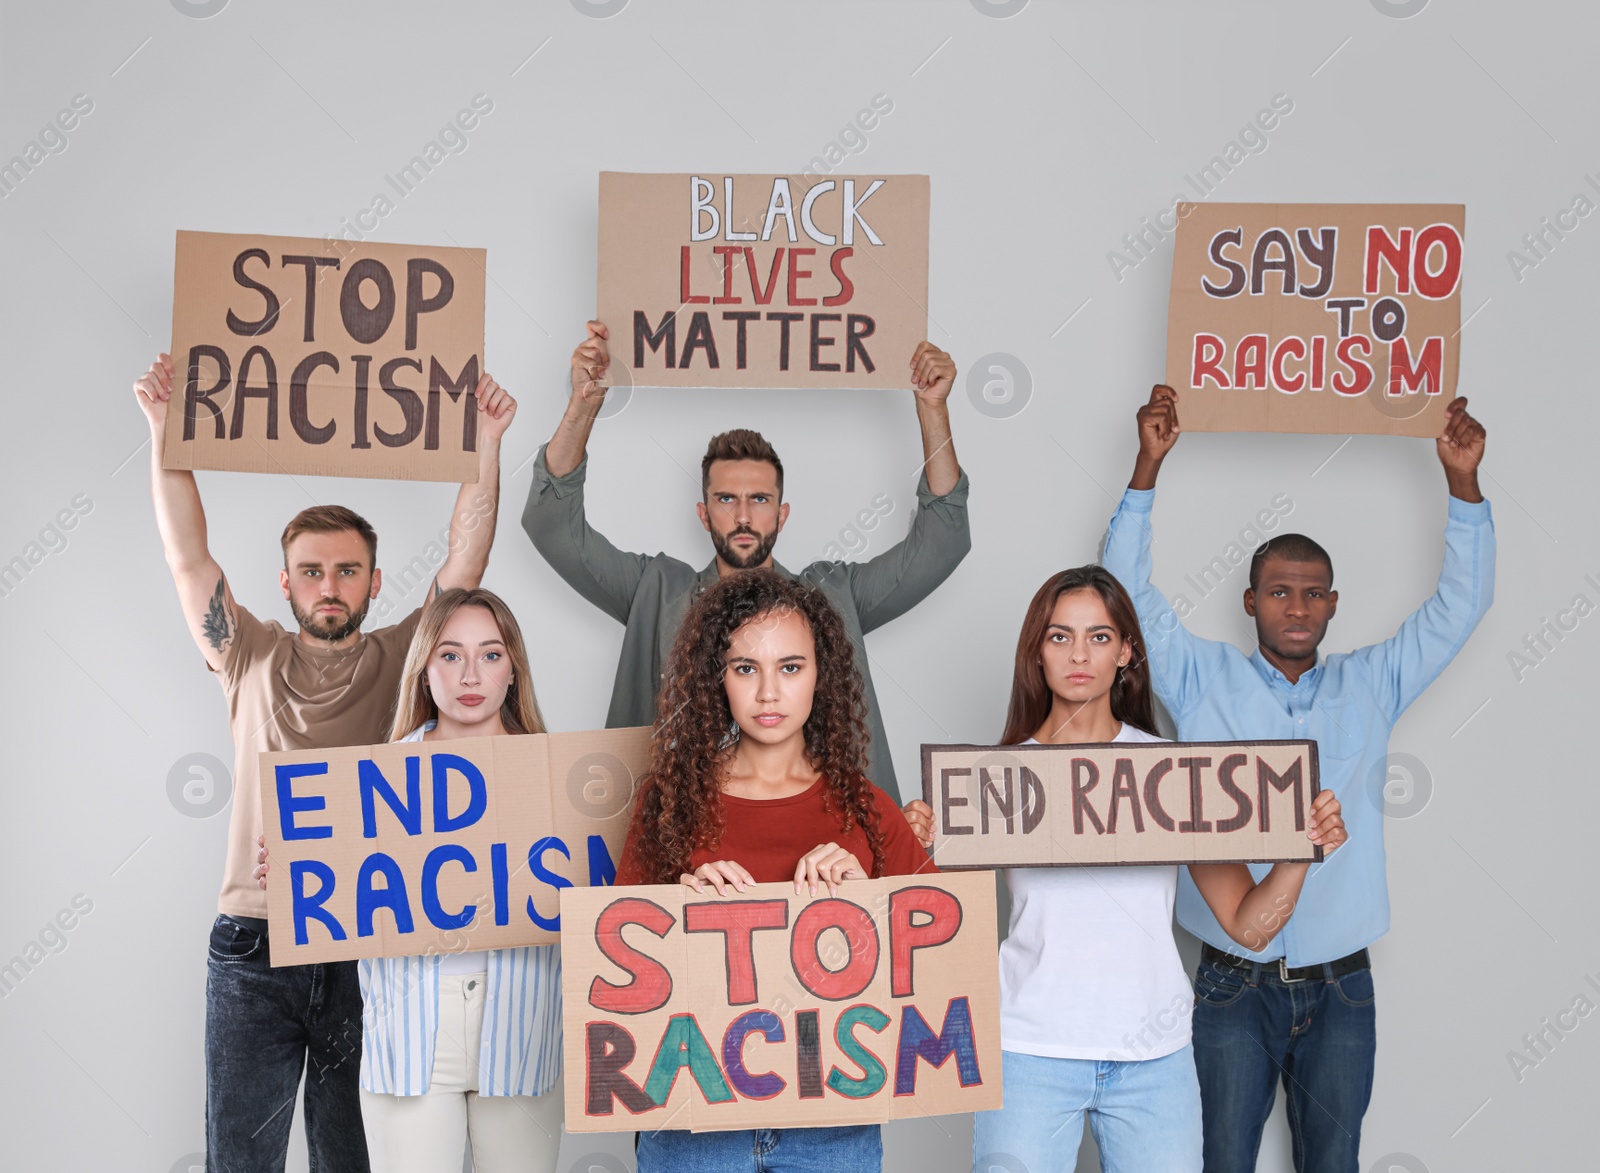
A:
<point x="554" y="520"/>
<point x="889" y="585"/>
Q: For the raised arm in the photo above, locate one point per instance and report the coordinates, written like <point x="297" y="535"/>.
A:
<point x="1254" y="913"/>
<point x="554" y="517"/>
<point x="591" y="361"/>
<point x="1175" y="654"/>
<point x="890" y="584"/>
<point x="932" y="375"/>
<point x="472" y="522"/>
<point x="203" y="591"/>
<point x="1402" y="666"/>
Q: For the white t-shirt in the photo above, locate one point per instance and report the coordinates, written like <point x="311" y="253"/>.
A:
<point x="1090" y="969"/>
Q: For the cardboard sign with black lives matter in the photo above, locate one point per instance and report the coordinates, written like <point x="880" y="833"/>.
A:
<point x="714" y="280"/>
<point x="325" y="357"/>
<point x="1316" y="317"/>
<point x="764" y="1009"/>
<point x="441" y="846"/>
<point x="1120" y="803"/>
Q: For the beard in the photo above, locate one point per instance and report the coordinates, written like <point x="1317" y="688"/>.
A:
<point x="331" y="628"/>
<point x="759" y="554"/>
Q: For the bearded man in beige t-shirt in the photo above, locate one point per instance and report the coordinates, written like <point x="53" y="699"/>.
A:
<point x="325" y="684"/>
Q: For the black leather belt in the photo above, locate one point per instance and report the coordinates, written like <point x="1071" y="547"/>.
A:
<point x="1211" y="955"/>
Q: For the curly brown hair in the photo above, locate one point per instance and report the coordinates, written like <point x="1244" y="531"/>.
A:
<point x="679" y="808"/>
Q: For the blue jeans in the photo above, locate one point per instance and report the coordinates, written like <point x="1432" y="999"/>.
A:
<point x="265" y="1026"/>
<point x="855" y="1148"/>
<point x="1319" y="1037"/>
<point x="1145" y="1115"/>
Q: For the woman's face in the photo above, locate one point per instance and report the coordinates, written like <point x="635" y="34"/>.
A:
<point x="771" y="675"/>
<point x="469" y="671"/>
<point x="1082" y="648"/>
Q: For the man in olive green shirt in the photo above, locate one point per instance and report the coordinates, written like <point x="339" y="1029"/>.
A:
<point x="743" y="511"/>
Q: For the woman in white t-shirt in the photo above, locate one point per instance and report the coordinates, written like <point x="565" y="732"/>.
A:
<point x="462" y="1049"/>
<point x="1094" y="1003"/>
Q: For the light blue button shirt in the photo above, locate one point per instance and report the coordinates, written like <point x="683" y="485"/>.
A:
<point x="1348" y="704"/>
<point x="519" y="1052"/>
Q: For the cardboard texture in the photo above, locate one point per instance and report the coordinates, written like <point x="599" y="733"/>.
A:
<point x="764" y="1009"/>
<point x="714" y="280"/>
<point x="1316" y="317"/>
<point x="441" y="846"/>
<point x="1120" y="803"/>
<point x="325" y="357"/>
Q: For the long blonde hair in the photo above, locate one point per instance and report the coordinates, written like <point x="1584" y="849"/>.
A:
<point x="416" y="706"/>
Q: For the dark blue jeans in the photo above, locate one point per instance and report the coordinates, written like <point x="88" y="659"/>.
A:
<point x="264" y="1027"/>
<point x="1318" y="1037"/>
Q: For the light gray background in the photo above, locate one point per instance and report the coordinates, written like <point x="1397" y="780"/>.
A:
<point x="1048" y="136"/>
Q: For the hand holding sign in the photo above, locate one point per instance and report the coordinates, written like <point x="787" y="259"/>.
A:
<point x="1158" y="432"/>
<point x="591" y="362"/>
<point x="1460" y="448"/>
<point x="933" y="373"/>
<point x="496" y="407"/>
<point x="153" y="391"/>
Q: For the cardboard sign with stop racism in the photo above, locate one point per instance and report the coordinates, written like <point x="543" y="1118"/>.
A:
<point x="325" y="357"/>
<point x="441" y="846"/>
<point x="714" y="280"/>
<point x="1316" y="317"/>
<point x="1167" y="802"/>
<point x="763" y="1009"/>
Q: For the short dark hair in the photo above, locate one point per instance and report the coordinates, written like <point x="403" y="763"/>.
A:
<point x="1289" y="548"/>
<point x="739" y="444"/>
<point x="330" y="519"/>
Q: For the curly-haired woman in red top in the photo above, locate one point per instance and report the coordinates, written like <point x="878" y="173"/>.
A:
<point x="756" y="776"/>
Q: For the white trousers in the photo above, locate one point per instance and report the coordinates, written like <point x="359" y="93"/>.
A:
<point x="429" y="1133"/>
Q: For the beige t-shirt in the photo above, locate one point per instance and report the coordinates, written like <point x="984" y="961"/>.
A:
<point x="286" y="694"/>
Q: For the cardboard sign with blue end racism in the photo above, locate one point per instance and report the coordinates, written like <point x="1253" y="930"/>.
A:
<point x="441" y="846"/>
<point x="764" y="1009"/>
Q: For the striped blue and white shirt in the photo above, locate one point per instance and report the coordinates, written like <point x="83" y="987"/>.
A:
<point x="520" y="1049"/>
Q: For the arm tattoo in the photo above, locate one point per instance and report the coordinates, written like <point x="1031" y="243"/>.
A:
<point x="215" y="626"/>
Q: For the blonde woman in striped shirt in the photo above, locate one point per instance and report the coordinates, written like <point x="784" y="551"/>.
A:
<point x="463" y="1048"/>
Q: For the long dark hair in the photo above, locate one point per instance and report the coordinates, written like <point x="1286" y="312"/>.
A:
<point x="679" y="808"/>
<point x="1030" y="695"/>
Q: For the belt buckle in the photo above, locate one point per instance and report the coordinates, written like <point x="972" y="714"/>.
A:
<point x="1283" y="972"/>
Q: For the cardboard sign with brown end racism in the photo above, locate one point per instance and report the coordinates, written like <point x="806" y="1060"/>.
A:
<point x="441" y="846"/>
<point x="1168" y="802"/>
<point x="712" y="280"/>
<point x="1316" y="317"/>
<point x="325" y="357"/>
<point x="763" y="1009"/>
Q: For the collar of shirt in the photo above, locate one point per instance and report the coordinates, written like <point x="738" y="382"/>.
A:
<point x="1276" y="679"/>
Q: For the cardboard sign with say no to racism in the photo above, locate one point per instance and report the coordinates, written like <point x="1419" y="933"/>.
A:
<point x="712" y="280"/>
<point x="764" y="1009"/>
<point x="1316" y="317"/>
<point x="325" y="357"/>
<point x="441" y="846"/>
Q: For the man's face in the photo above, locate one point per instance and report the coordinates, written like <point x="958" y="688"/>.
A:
<point x="1292" y="604"/>
<point x="741" y="512"/>
<point x="329" y="581"/>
